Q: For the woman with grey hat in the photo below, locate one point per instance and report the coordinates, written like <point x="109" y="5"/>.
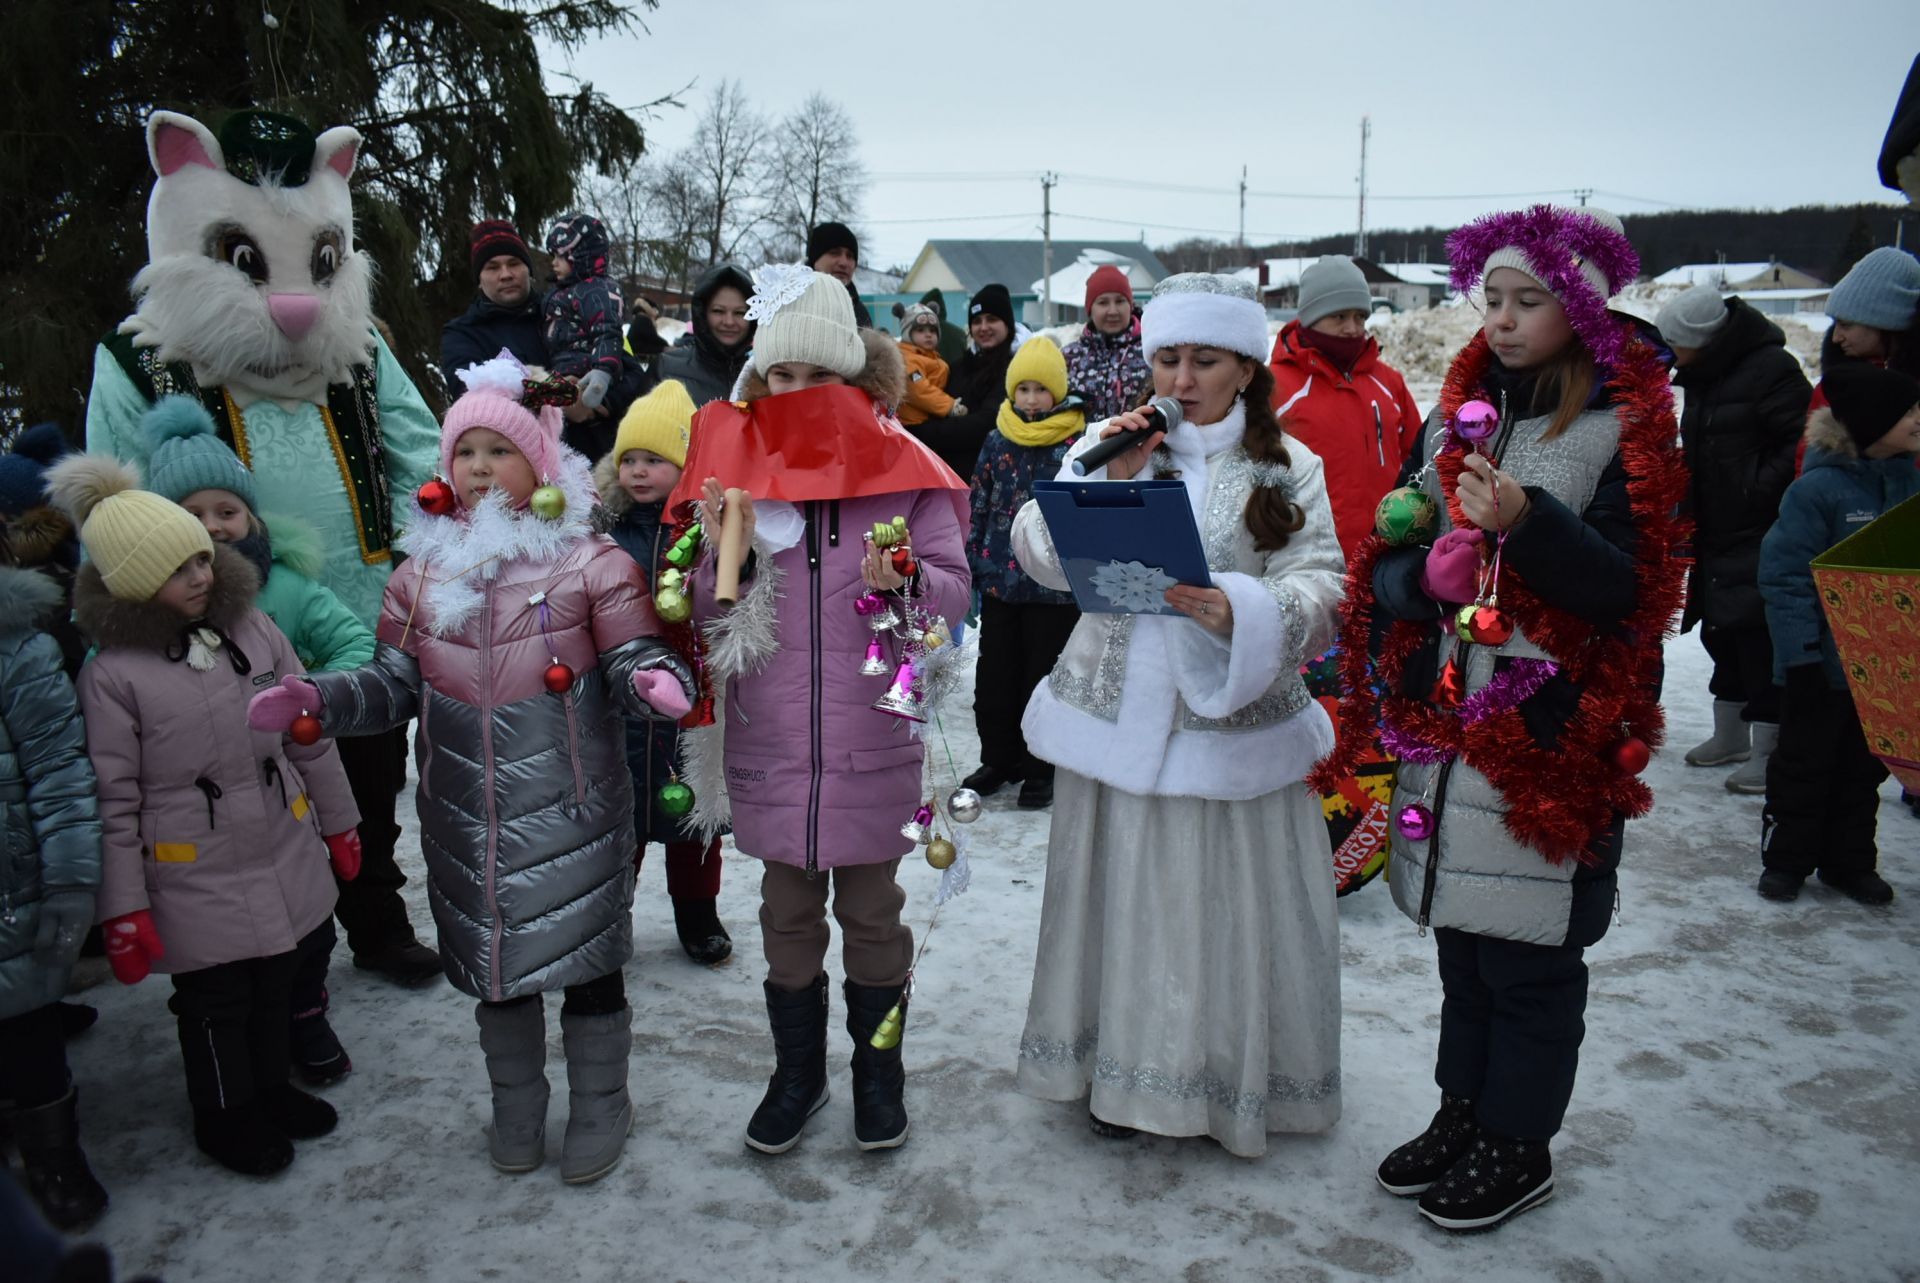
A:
<point x="1746" y="404"/>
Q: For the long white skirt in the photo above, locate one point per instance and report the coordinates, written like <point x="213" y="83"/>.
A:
<point x="1189" y="965"/>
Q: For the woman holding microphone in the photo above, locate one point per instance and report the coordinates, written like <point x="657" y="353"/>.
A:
<point x="1188" y="967"/>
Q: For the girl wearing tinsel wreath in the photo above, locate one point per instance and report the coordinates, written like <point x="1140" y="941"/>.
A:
<point x="817" y="779"/>
<point x="1187" y="981"/>
<point x="1512" y="667"/>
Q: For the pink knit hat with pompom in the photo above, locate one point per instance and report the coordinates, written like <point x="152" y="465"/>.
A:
<point x="497" y="397"/>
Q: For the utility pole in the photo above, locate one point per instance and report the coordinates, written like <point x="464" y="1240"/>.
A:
<point x="1582" y="194"/>
<point x="1047" y="180"/>
<point x="1242" y="241"/>
<point x="1360" y="236"/>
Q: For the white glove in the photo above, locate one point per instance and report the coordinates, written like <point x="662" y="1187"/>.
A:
<point x="593" y="388"/>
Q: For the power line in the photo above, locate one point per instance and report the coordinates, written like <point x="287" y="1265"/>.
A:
<point x="1193" y="189"/>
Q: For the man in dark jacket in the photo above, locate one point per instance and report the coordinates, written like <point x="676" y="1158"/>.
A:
<point x="720" y="339"/>
<point x="834" y="249"/>
<point x="1745" y="408"/>
<point x="506" y="314"/>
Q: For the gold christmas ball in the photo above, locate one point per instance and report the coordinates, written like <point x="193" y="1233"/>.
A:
<point x="672" y="606"/>
<point x="548" y="502"/>
<point x="941" y="853"/>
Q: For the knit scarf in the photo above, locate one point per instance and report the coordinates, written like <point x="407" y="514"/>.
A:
<point x="1556" y="799"/>
<point x="1063" y="421"/>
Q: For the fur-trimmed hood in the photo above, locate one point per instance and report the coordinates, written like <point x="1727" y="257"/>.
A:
<point x="41" y="535"/>
<point x="27" y="598"/>
<point x="144" y="625"/>
<point x="884" y="378"/>
<point x="606" y="483"/>
<point x="1825" y="432"/>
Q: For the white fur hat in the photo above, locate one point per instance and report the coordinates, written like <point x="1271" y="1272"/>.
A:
<point x="1202" y="307"/>
<point x="804" y="316"/>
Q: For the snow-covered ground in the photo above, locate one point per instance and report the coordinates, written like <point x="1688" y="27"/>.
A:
<point x="1748" y="1107"/>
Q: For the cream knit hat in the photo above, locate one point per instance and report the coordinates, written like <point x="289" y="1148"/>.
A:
<point x="135" y="537"/>
<point x="804" y="316"/>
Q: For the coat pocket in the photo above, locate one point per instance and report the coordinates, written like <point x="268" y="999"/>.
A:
<point x="881" y="759"/>
<point x="573" y="749"/>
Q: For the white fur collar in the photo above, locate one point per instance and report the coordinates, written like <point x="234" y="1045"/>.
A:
<point x="459" y="553"/>
<point x="1195" y="446"/>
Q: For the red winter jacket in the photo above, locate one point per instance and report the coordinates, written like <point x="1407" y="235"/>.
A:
<point x="1363" y="425"/>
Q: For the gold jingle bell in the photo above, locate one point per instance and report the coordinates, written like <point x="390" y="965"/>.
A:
<point x="886" y="1035"/>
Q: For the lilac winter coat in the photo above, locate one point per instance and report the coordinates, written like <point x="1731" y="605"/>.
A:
<point x="816" y="776"/>
<point x="211" y="826"/>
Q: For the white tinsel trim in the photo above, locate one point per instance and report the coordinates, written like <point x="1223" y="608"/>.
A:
<point x="501" y="375"/>
<point x="1271" y="476"/>
<point x="775" y="286"/>
<point x="703" y="768"/>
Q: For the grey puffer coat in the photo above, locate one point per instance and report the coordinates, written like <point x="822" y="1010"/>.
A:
<point x="526" y="808"/>
<point x="49" y="822"/>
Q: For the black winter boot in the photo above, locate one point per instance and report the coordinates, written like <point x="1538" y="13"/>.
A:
<point x="1423" y="1160"/>
<point x="241" y="1139"/>
<point x="1863" y="885"/>
<point x="1498" y="1178"/>
<point x="701" y="935"/>
<point x="798" y="1087"/>
<point x="298" y="1115"/>
<point x="318" y="1057"/>
<point x="879" y="1077"/>
<point x="57" y="1174"/>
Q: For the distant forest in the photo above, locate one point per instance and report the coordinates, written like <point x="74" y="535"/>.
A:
<point x="1824" y="240"/>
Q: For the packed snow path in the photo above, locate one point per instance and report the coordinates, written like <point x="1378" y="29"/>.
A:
<point x="1748" y="1106"/>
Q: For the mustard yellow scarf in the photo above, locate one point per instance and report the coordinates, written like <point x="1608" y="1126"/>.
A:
<point x="1052" y="430"/>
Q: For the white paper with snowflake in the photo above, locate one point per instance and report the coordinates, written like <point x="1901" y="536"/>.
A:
<point x="1133" y="586"/>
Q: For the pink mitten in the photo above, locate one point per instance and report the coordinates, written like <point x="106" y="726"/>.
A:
<point x="1452" y="573"/>
<point x="274" y="709"/>
<point x="662" y="691"/>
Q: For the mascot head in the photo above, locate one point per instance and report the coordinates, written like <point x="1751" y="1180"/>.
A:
<point x="251" y="275"/>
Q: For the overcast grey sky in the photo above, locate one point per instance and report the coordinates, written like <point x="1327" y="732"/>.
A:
<point x="1761" y="103"/>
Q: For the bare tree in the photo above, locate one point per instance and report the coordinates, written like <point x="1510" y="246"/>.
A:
<point x="726" y="161"/>
<point x="817" y="173"/>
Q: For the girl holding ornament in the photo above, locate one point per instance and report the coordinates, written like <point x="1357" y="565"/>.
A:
<point x="851" y="542"/>
<point x="1187" y="981"/>
<point x="1517" y="657"/>
<point x="518" y="637"/>
<point x="634" y="480"/>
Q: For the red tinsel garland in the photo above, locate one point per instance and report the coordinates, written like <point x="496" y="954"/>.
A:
<point x="1557" y="799"/>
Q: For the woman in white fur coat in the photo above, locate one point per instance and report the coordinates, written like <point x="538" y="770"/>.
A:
<point x="1188" y="972"/>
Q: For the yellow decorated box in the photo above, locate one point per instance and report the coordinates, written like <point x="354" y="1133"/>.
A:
<point x="1869" y="585"/>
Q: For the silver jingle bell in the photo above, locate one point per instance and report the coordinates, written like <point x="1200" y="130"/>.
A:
<point x="963" y="806"/>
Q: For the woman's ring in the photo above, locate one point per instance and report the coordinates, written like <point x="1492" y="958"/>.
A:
<point x="1205" y="606"/>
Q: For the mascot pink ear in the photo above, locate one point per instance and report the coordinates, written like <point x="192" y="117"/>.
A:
<point x="175" y="141"/>
<point x="337" y="149"/>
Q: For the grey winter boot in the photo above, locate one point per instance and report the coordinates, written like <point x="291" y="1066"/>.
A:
<point x="1729" y="742"/>
<point x="599" y="1111"/>
<point x="514" y="1038"/>
<point x="1752" y="777"/>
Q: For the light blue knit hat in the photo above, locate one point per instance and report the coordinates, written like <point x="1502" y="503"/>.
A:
<point x="188" y="455"/>
<point x="1882" y="290"/>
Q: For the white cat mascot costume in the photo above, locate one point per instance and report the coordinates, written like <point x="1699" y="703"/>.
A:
<point x="255" y="301"/>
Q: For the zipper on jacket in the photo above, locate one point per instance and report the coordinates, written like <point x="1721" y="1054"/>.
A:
<point x="833" y="523"/>
<point x="1433" y="845"/>
<point x="1379" y="436"/>
<point x="426" y="740"/>
<point x="491" y="852"/>
<point x="813" y="681"/>
<point x="573" y="750"/>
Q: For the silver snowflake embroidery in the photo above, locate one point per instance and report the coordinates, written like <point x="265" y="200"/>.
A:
<point x="1131" y="585"/>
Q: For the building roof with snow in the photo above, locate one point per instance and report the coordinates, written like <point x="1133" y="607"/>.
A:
<point x="1728" y="277"/>
<point x="1070" y="282"/>
<point x="966" y="265"/>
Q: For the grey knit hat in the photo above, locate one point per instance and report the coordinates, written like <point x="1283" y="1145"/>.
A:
<point x="1881" y="290"/>
<point x="1692" y="317"/>
<point x="1334" y="284"/>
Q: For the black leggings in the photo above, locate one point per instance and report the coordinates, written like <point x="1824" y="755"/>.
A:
<point x="601" y="997"/>
<point x="33" y="1058"/>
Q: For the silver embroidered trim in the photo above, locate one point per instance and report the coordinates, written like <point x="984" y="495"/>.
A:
<point x="1100" y="693"/>
<point x="1148" y="1081"/>
<point x="1282" y="700"/>
<point x="1208" y="283"/>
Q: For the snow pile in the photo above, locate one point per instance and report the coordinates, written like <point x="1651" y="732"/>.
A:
<point x="1421" y="344"/>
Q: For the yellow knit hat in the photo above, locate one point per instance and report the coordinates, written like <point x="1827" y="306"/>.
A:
<point x="1040" y="360"/>
<point x="136" y="538"/>
<point x="660" y="421"/>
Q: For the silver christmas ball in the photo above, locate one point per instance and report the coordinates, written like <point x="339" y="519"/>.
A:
<point x="963" y="805"/>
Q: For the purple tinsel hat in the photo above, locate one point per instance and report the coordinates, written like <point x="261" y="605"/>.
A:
<point x="1581" y="255"/>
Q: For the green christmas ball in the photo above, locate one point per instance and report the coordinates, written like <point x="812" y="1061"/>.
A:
<point x="675" y="798"/>
<point x="1406" y="516"/>
<point x="671" y="605"/>
<point x="548" y="502"/>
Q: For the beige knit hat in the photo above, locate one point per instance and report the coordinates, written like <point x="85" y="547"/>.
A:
<point x="136" y="538"/>
<point x="804" y="316"/>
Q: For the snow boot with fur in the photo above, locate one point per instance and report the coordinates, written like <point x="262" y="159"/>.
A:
<point x="1498" y="1178"/>
<point x="514" y="1037"/>
<point x="1750" y="777"/>
<point x="1729" y="742"/>
<point x="879" y="1077"/>
<point x="599" y="1110"/>
<point x="798" y="1087"/>
<point x="57" y="1175"/>
<point x="697" y="922"/>
<point x="1414" y="1166"/>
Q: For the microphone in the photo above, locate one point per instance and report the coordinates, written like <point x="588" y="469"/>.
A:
<point x="1163" y="415"/>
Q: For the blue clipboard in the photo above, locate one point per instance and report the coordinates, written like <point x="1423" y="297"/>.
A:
<point x="1123" y="543"/>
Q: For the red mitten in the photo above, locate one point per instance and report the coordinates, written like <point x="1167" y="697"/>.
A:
<point x="274" y="709"/>
<point x="1452" y="572"/>
<point x="344" y="850"/>
<point x="132" y="945"/>
<point x="662" y="691"/>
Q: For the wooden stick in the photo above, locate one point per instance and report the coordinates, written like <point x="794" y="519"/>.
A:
<point x="726" y="579"/>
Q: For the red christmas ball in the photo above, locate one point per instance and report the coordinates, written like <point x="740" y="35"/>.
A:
<point x="1490" y="626"/>
<point x="903" y="563"/>
<point x="559" y="678"/>
<point x="436" y="497"/>
<point x="1631" y="755"/>
<point x="305" y="730"/>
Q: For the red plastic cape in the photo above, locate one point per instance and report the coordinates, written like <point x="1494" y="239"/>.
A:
<point x="1557" y="799"/>
<point x="830" y="442"/>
